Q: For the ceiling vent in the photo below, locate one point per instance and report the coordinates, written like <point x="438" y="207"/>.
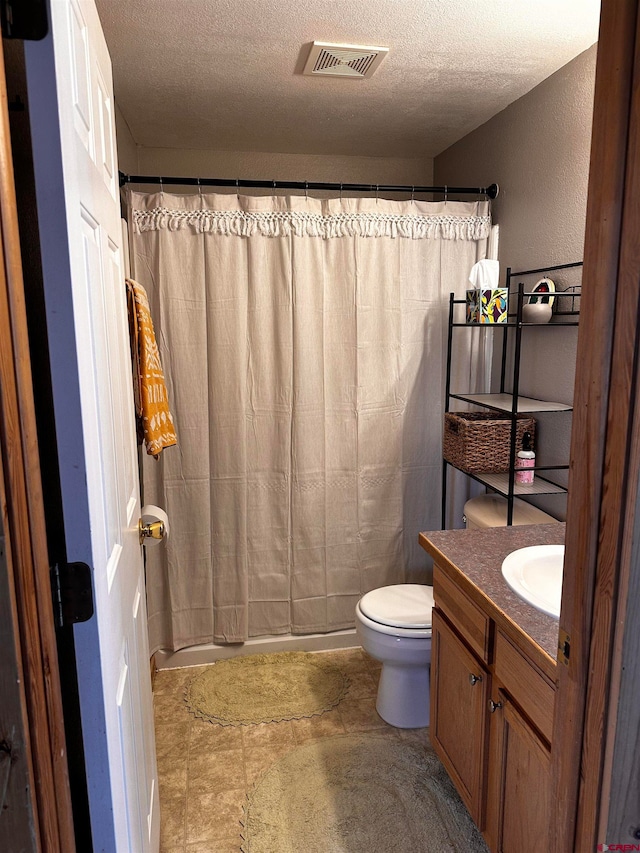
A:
<point x="343" y="60"/>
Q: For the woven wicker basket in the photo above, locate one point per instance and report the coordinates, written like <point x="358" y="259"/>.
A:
<point x="479" y="442"/>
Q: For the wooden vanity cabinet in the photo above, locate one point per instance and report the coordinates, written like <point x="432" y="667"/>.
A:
<point x="459" y="696"/>
<point x="491" y="721"/>
<point x="518" y="781"/>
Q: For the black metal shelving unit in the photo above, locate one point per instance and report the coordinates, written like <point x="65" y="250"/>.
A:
<point x="510" y="402"/>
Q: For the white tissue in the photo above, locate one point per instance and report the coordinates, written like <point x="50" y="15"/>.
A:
<point x="485" y="275"/>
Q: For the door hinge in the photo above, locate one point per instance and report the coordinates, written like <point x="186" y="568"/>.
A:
<point x="564" y="647"/>
<point x="72" y="593"/>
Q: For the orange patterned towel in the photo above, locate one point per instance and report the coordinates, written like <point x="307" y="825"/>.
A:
<point x="154" y="421"/>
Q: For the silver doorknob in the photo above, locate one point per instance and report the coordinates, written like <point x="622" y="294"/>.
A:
<point x="493" y="706"/>
<point x="154" y="530"/>
<point x="473" y="679"/>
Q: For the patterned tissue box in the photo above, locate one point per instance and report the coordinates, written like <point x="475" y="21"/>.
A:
<point x="487" y="306"/>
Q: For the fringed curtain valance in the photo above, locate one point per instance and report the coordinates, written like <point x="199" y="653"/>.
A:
<point x="241" y="223"/>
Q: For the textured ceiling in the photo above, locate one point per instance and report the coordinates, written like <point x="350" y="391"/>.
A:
<point x="226" y="74"/>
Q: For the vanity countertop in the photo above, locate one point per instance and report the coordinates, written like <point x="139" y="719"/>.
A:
<point x="473" y="559"/>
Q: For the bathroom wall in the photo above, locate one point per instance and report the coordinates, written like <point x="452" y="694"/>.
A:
<point x="537" y="150"/>
<point x="294" y="167"/>
<point x="127" y="148"/>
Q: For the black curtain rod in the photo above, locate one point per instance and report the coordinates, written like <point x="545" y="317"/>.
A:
<point x="490" y="191"/>
<point x="548" y="269"/>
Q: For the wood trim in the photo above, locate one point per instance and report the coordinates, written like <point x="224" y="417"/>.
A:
<point x="598" y="449"/>
<point x="618" y="516"/>
<point x="21" y="495"/>
<point x="18" y="821"/>
<point x="621" y="773"/>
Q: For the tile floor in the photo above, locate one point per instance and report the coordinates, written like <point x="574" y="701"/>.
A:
<point x="205" y="770"/>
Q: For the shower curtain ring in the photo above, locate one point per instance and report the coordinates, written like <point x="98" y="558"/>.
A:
<point x="199" y="188"/>
<point x="446" y="192"/>
<point x="238" y="189"/>
<point x="340" y="190"/>
<point x="377" y="188"/>
<point x="306" y="190"/>
<point x="413" y="191"/>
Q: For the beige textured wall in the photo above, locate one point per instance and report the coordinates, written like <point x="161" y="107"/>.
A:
<point x="295" y="167"/>
<point x="537" y="150"/>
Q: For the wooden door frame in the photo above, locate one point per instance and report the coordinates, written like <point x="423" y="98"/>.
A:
<point x="604" y="449"/>
<point x="25" y="533"/>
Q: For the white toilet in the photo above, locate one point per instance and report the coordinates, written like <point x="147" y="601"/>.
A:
<point x="393" y="624"/>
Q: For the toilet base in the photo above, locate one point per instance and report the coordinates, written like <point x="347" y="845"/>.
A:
<point x="403" y="696"/>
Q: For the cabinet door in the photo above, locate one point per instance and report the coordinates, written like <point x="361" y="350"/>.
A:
<point x="459" y="697"/>
<point x="518" y="807"/>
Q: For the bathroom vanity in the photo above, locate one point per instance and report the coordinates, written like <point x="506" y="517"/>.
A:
<point x="493" y="683"/>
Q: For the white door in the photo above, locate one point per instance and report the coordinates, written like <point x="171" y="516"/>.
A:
<point x="73" y="134"/>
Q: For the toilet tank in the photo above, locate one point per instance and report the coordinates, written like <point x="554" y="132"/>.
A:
<point x="491" y="511"/>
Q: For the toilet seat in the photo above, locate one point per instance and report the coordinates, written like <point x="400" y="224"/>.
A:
<point x="392" y="630"/>
<point x="406" y="607"/>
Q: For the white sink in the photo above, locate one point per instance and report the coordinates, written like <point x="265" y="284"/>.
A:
<point x="535" y="574"/>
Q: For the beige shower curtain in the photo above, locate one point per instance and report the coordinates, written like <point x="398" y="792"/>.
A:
<point x="303" y="345"/>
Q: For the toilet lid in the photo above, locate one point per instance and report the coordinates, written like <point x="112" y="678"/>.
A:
<point x="405" y="605"/>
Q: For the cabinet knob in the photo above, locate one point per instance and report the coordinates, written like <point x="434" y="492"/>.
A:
<point x="493" y="706"/>
<point x="473" y="679"/>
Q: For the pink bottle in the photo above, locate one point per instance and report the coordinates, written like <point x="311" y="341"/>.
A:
<point x="525" y="462"/>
